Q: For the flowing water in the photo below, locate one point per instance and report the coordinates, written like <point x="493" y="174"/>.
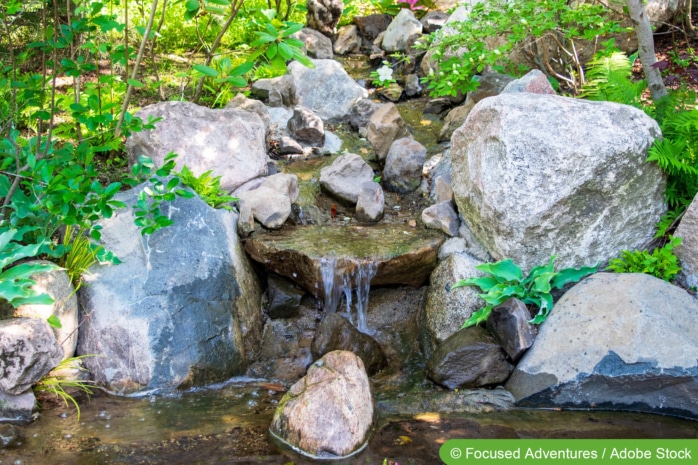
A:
<point x="344" y="282"/>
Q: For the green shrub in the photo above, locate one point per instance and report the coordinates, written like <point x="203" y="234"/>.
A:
<point x="660" y="263"/>
<point x="506" y="281"/>
<point x="208" y="188"/>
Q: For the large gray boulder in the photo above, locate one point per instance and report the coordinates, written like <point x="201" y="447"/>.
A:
<point x="317" y="45"/>
<point x="28" y="351"/>
<point x="327" y="414"/>
<point x="403" y="165"/>
<point x="619" y="341"/>
<point x="540" y="175"/>
<point x="183" y="309"/>
<point x="402" y="32"/>
<point x="230" y="142"/>
<point x="325" y="89"/>
<point x="687" y="252"/>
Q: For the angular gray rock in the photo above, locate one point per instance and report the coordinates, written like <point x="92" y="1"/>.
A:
<point x="335" y="332"/>
<point x="617" y="341"/>
<point x="183" y="309"/>
<point x="687" y="252"/>
<point x="446" y="310"/>
<point x="306" y="126"/>
<point x="276" y="91"/>
<point x="317" y="45"/>
<point x="470" y="358"/>
<point x="288" y="146"/>
<point x="413" y="88"/>
<point x="371" y="202"/>
<point x="452" y="246"/>
<point x="344" y="177"/>
<point x="57" y="284"/>
<point x="385" y="126"/>
<point x="269" y="206"/>
<point x="230" y="142"/>
<point x="348" y="40"/>
<point x="327" y="414"/>
<point x="442" y="217"/>
<point x="402" y="32"/>
<point x="534" y="82"/>
<point x="508" y="323"/>
<point x="361" y="113"/>
<point x="28" y="351"/>
<point x="326" y="89"/>
<point x="403" y="165"/>
<point x="323" y="15"/>
<point x="433" y="21"/>
<point x="540" y="175"/>
<point x="284" y="296"/>
<point x="371" y="26"/>
<point x="251" y="105"/>
<point x="16" y="409"/>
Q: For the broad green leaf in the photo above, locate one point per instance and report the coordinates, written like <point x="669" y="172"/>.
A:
<point x="192" y="5"/>
<point x="484" y="282"/>
<point x="236" y="81"/>
<point x="505" y="270"/>
<point x="300" y="57"/>
<point x="215" y="10"/>
<point x="542" y="283"/>
<point x="271" y="51"/>
<point x="26" y="270"/>
<point x="135" y="83"/>
<point x="242" y="69"/>
<point x="39" y="299"/>
<point x="206" y="70"/>
<point x="478" y="317"/>
<point x="286" y="51"/>
<point x="572" y="275"/>
<point x="172" y="183"/>
<point x="292" y="29"/>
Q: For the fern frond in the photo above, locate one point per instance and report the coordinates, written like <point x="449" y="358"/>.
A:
<point x="610" y="78"/>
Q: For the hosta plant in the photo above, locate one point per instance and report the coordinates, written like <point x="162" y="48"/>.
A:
<point x="505" y="280"/>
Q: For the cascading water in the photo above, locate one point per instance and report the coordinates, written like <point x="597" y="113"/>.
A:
<point x="339" y="281"/>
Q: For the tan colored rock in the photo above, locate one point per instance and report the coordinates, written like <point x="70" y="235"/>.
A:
<point x="385" y="126"/>
<point x="329" y="413"/>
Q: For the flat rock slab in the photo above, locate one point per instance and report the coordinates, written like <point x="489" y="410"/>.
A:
<point x="403" y="255"/>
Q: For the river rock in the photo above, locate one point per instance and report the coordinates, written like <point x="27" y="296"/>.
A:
<point x="371" y="26"/>
<point x="317" y="45"/>
<point x="323" y="15"/>
<point x="413" y="88"/>
<point x="470" y="358"/>
<point x="508" y="323"/>
<point x="534" y="82"/>
<point x="361" y="113"/>
<point x="451" y="246"/>
<point x="276" y="91"/>
<point x="606" y="345"/>
<point x="335" y="332"/>
<point x="403" y="165"/>
<point x="343" y="179"/>
<point x="269" y="206"/>
<point x="401" y="254"/>
<point x="371" y="202"/>
<point x="284" y="296"/>
<point x="306" y="126"/>
<point x="285" y="353"/>
<point x="687" y="252"/>
<point x="579" y="165"/>
<point x="385" y="126"/>
<point x="433" y="21"/>
<point x="392" y="92"/>
<point x="327" y="414"/>
<point x="182" y="309"/>
<point x="402" y="32"/>
<point x="348" y="40"/>
<point x="56" y="283"/>
<point x="17" y="408"/>
<point x="29" y="351"/>
<point x="446" y="310"/>
<point x="289" y="146"/>
<point x="326" y="89"/>
<point x="230" y="142"/>
<point x="442" y="217"/>
<point x="251" y="105"/>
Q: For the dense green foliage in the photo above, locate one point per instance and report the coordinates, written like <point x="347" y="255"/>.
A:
<point x="506" y="281"/>
<point x="660" y="263"/>
<point x="465" y="49"/>
<point x="208" y="187"/>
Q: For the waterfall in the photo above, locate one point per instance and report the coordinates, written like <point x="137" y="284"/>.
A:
<point x="341" y="282"/>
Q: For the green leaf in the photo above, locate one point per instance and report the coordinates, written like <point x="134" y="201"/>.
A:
<point x="242" y="69"/>
<point x="286" y="51"/>
<point x="54" y="322"/>
<point x="505" y="270"/>
<point x="271" y="51"/>
<point x="206" y="70"/>
<point x="135" y="83"/>
<point x="571" y="275"/>
<point x="485" y="283"/>
<point x="192" y="6"/>
<point x="292" y="29"/>
<point x="236" y="81"/>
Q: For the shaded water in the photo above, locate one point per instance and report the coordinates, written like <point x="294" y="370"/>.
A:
<point x="229" y="425"/>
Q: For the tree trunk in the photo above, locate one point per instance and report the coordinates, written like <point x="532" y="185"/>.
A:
<point x="645" y="41"/>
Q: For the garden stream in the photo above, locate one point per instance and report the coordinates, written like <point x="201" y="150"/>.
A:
<point x="228" y="423"/>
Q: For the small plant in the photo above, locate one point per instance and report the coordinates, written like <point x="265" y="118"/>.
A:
<point x="58" y="386"/>
<point x="383" y="76"/>
<point x="661" y="263"/>
<point x="506" y="281"/>
<point x="82" y="254"/>
<point x="274" y="42"/>
<point x="208" y="188"/>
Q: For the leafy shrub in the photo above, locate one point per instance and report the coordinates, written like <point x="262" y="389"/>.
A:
<point x="660" y="263"/>
<point x="506" y="281"/>
<point x="208" y="188"/>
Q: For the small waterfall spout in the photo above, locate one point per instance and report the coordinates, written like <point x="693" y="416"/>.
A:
<point x="352" y="276"/>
